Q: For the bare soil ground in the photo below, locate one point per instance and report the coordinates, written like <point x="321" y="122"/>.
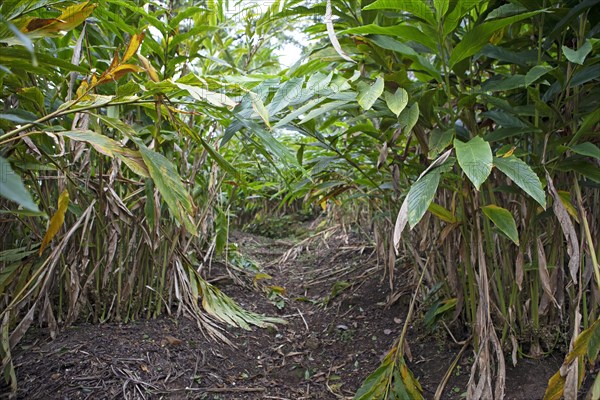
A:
<point x="340" y="325"/>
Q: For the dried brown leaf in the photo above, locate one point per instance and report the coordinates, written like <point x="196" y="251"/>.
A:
<point x="568" y="230"/>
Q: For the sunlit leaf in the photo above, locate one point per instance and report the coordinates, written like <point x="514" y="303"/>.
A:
<point x="259" y="107"/>
<point x="133" y="46"/>
<point x="368" y="94"/>
<point x="397" y="102"/>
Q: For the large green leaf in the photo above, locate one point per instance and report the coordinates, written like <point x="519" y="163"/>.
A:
<point x="475" y="159"/>
<point x="504" y="220"/>
<point x="12" y="188"/>
<point x="475" y="39"/>
<point x="418" y="8"/>
<point x="111" y="148"/>
<point x="169" y="184"/>
<point x="404" y="32"/>
<point x="409" y="117"/>
<point x="397" y="102"/>
<point x="420" y="195"/>
<point x="587" y="149"/>
<point x="368" y="94"/>
<point x="523" y="176"/>
<point x="577" y="56"/>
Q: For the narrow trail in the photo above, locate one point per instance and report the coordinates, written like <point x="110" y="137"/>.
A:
<point x="328" y="288"/>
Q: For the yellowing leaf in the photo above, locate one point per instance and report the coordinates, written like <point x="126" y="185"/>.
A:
<point x="70" y="18"/>
<point x="556" y="387"/>
<point x="73" y="16"/>
<point x="149" y="68"/>
<point x="38" y="23"/>
<point x="56" y="221"/>
<point x="260" y="276"/>
<point x="509" y="152"/>
<point x="82" y="89"/>
<point x="565" y="198"/>
<point x="117" y="73"/>
<point x="442" y="213"/>
<point x="133" y="46"/>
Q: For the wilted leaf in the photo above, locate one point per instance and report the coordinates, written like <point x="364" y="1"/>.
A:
<point x="70" y="18"/>
<point x="171" y="341"/>
<point x="401" y="221"/>
<point x="331" y="33"/>
<point x="150" y="70"/>
<point x="565" y="198"/>
<point x="133" y="46"/>
<point x="56" y="221"/>
<point x="116" y="73"/>
<point x="568" y="229"/>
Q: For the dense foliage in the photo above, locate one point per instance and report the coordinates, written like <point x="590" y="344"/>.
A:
<point x="133" y="134"/>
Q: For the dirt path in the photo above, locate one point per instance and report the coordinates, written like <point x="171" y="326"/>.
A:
<point x="339" y="328"/>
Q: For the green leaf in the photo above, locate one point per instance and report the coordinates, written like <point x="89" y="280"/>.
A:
<point x="404" y="32"/>
<point x="578" y="56"/>
<point x="409" y="117"/>
<point x="109" y="147"/>
<point x="259" y="107"/>
<point x="420" y="195"/>
<point x="441" y="8"/>
<point x="438" y="141"/>
<point x="523" y="176"/>
<point x="418" y="8"/>
<point x="504" y="220"/>
<point x="169" y="184"/>
<point x="12" y="188"/>
<point x="368" y="94"/>
<point x="587" y="149"/>
<point x="397" y="102"/>
<point x="475" y="39"/>
<point x="375" y="385"/>
<point x="475" y="159"/>
<point x="587" y="127"/>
